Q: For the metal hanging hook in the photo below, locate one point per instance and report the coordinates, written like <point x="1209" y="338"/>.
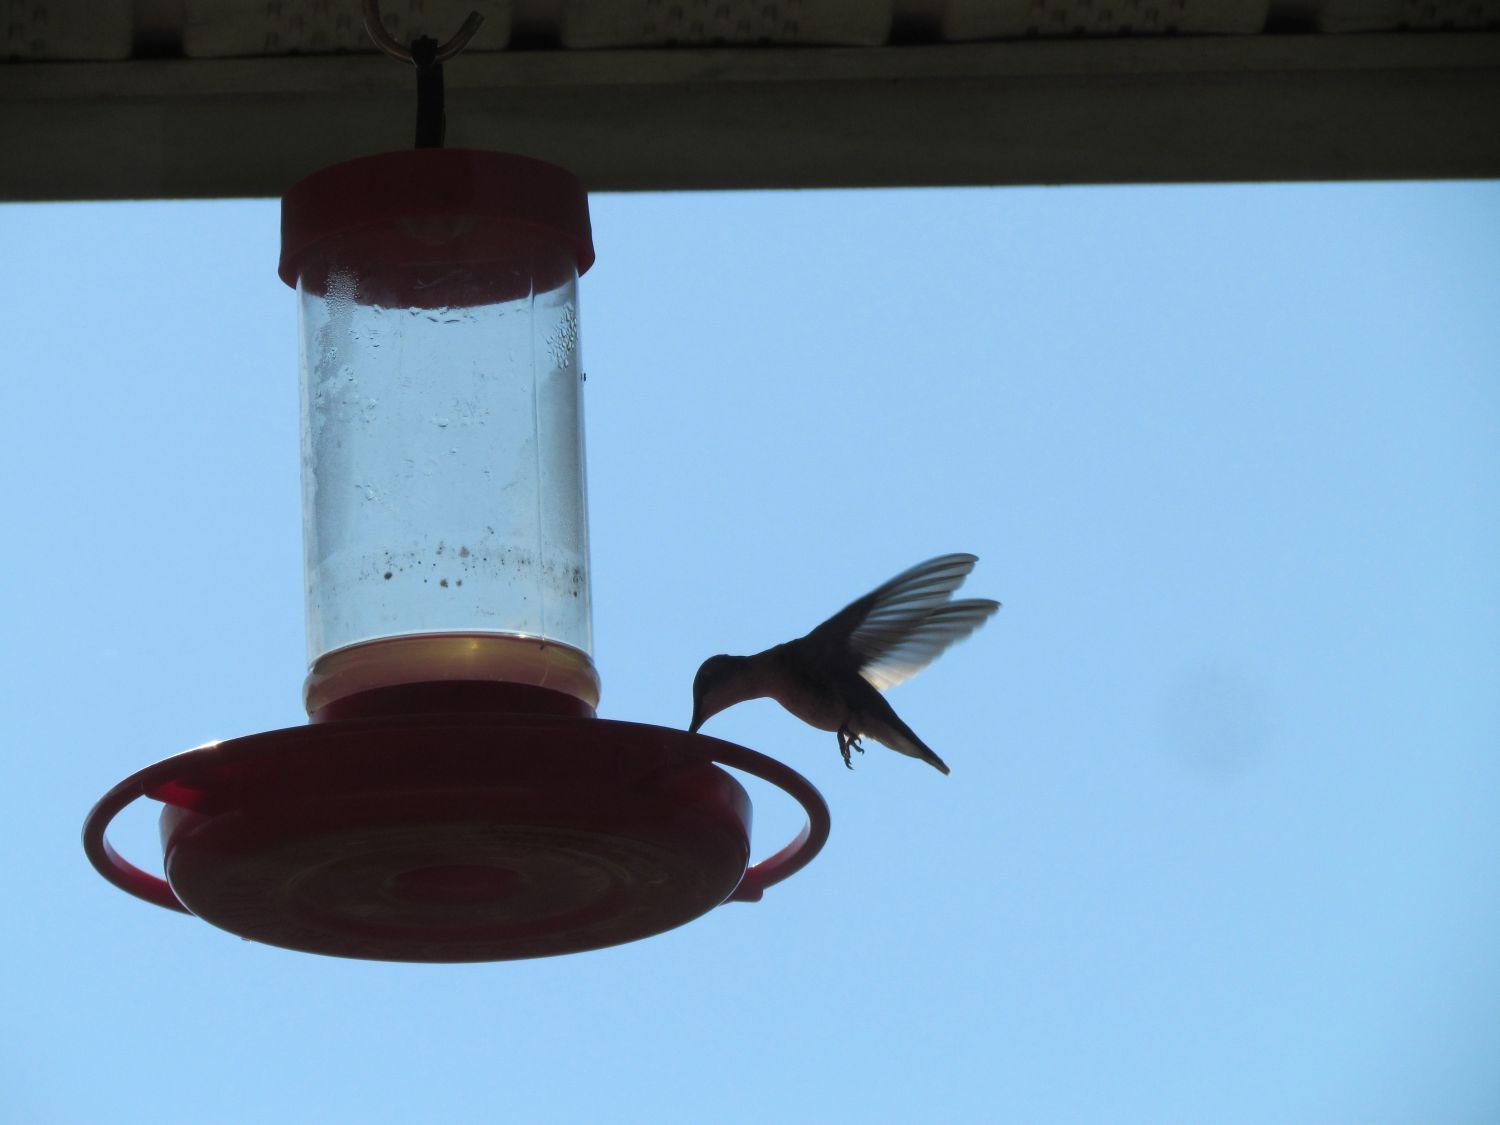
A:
<point x="383" y="39"/>
<point x="428" y="56"/>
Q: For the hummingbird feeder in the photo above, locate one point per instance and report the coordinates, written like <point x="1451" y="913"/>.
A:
<point x="453" y="796"/>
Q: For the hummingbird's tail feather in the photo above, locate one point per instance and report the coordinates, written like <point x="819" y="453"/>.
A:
<point x="936" y="763"/>
<point x="907" y="743"/>
<point x="878" y="719"/>
<point x="913" y="747"/>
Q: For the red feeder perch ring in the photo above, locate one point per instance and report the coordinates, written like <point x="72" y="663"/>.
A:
<point x="456" y="836"/>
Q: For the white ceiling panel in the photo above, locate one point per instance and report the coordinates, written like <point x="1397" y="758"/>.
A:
<point x="707" y="23"/>
<point x="1014" y="19"/>
<point x="58" y="30"/>
<point x="238" y="28"/>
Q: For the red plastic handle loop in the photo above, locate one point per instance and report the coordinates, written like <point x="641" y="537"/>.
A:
<point x="108" y="862"/>
<point x="159" y="776"/>
<point x="809" y="842"/>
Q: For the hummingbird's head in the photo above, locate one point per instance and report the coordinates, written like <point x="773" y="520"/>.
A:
<point x="717" y="685"/>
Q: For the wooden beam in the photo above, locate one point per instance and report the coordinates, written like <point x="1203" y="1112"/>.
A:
<point x="1251" y="108"/>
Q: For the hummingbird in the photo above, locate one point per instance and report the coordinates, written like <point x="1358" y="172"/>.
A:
<point x="832" y="678"/>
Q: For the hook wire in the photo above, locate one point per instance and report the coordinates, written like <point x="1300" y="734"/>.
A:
<point x="428" y="56"/>
<point x="383" y="39"/>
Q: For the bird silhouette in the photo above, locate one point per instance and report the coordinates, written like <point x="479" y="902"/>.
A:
<point x="833" y="677"/>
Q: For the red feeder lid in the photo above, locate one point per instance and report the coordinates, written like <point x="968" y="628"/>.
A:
<point x="455" y="836"/>
<point x="437" y="207"/>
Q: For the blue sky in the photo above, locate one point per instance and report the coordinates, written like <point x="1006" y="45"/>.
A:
<point x="1220" y="839"/>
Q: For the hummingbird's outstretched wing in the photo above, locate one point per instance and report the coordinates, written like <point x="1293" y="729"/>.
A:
<point x="926" y="641"/>
<point x="899" y="628"/>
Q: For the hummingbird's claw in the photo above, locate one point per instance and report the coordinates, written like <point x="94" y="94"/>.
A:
<point x="847" y="742"/>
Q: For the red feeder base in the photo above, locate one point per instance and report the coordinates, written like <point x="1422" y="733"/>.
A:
<point x="455" y="836"/>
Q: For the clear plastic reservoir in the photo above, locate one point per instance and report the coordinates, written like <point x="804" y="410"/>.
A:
<point x="446" y="525"/>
